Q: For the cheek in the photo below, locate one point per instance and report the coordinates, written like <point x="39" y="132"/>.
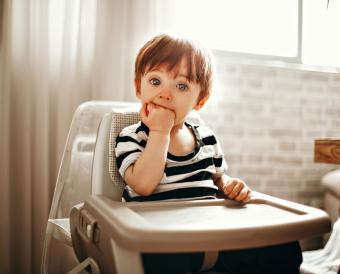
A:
<point x="144" y="94"/>
<point x="183" y="106"/>
<point x="144" y="99"/>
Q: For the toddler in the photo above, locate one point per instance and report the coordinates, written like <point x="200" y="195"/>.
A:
<point x="166" y="157"/>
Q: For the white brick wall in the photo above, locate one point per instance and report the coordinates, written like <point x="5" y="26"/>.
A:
<point x="267" y="119"/>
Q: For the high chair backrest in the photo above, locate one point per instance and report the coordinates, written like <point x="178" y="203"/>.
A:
<point x="106" y="179"/>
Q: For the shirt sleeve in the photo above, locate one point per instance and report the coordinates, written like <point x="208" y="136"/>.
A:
<point x="128" y="149"/>
<point x="219" y="162"/>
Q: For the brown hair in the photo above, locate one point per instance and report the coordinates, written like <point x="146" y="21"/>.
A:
<point x="168" y="50"/>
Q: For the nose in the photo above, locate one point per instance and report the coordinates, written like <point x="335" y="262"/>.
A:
<point x="165" y="94"/>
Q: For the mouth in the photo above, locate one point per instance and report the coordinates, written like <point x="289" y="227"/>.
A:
<point x="162" y="106"/>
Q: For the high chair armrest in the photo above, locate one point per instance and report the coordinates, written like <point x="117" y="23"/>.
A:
<point x="202" y="225"/>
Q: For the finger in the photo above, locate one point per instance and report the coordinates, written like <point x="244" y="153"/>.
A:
<point x="243" y="195"/>
<point x="249" y="194"/>
<point x="236" y="190"/>
<point x="143" y="112"/>
<point x="229" y="186"/>
<point x="150" y="107"/>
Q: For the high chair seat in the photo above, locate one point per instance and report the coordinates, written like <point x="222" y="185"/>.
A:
<point x="110" y="235"/>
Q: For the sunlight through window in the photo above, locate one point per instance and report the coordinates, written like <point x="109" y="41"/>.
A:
<point x="321" y="39"/>
<point x="261" y="27"/>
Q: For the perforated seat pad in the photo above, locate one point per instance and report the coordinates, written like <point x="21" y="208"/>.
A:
<point x="120" y="120"/>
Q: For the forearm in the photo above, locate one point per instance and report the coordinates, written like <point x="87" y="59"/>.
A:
<point x="221" y="182"/>
<point x="147" y="172"/>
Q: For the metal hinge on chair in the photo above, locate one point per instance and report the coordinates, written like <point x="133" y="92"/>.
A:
<point x="84" y="264"/>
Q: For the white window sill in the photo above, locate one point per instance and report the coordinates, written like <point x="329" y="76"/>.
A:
<point x="269" y="61"/>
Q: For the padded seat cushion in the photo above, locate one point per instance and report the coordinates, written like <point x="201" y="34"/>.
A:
<point x="120" y="119"/>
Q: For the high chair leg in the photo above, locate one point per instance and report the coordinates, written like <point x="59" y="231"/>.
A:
<point x="87" y="262"/>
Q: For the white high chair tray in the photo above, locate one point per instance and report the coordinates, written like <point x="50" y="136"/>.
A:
<point x="219" y="224"/>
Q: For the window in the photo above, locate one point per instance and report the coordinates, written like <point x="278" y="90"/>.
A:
<point x="321" y="37"/>
<point x="279" y="30"/>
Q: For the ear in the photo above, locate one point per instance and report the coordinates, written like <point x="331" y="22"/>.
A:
<point x="137" y="90"/>
<point x="201" y="102"/>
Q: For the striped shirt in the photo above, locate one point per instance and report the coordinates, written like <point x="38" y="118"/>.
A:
<point x="185" y="177"/>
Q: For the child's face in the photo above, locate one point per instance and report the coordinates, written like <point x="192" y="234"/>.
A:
<point x="169" y="90"/>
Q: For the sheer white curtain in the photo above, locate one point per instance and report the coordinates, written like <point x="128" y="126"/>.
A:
<point x="54" y="55"/>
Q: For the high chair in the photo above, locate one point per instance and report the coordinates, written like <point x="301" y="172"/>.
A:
<point x="90" y="228"/>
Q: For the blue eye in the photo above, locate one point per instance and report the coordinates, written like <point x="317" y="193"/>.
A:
<point x="154" y="82"/>
<point x="182" y="87"/>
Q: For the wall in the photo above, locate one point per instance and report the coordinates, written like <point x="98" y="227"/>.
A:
<point x="267" y="118"/>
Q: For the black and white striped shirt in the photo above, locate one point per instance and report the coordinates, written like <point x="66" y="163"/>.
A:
<point x="185" y="177"/>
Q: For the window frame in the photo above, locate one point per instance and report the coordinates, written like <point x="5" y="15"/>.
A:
<point x="265" y="57"/>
